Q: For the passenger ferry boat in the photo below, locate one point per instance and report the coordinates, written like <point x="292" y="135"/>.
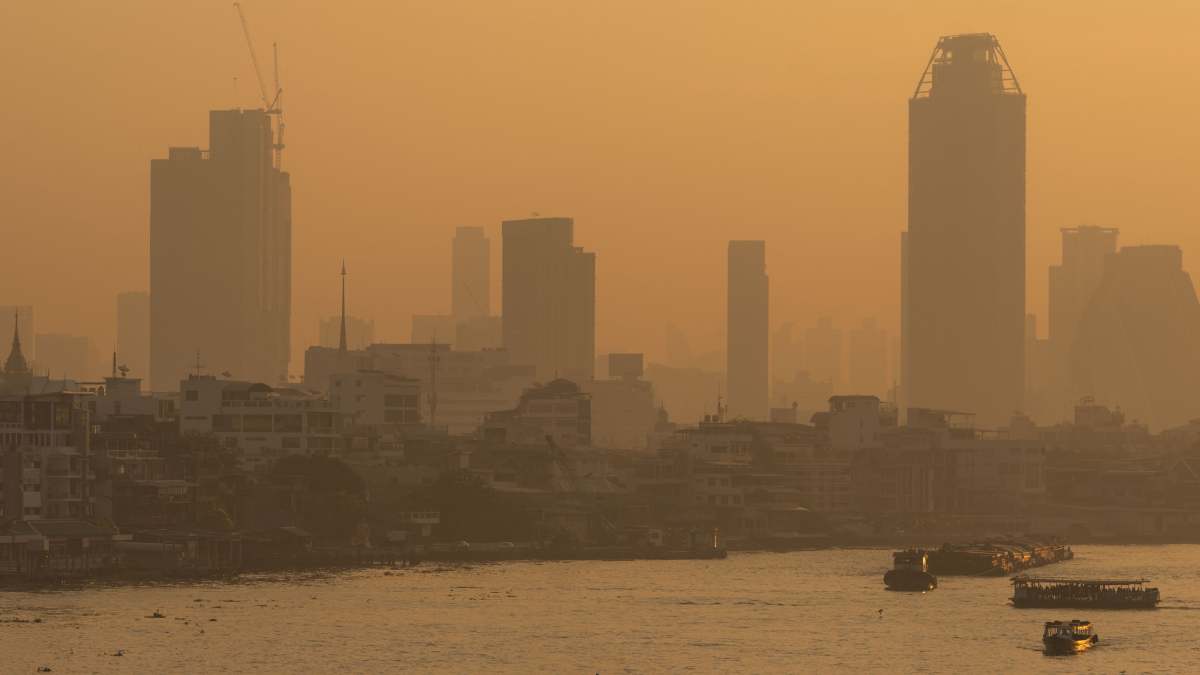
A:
<point x="1083" y="593"/>
<point x="1068" y="637"/>
<point x="910" y="572"/>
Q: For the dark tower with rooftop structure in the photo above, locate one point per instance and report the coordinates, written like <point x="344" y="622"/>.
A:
<point x="963" y="255"/>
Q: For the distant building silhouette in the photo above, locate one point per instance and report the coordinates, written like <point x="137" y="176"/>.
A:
<point x="1073" y="284"/>
<point x="1136" y="341"/>
<point x="68" y="356"/>
<point x="823" y="353"/>
<point x="787" y="352"/>
<point x="220" y="255"/>
<point x="549" y="295"/>
<point x="747" y="325"/>
<point x="963" y="256"/>
<point x="427" y="328"/>
<point x="678" y="349"/>
<point x="688" y="392"/>
<point x="133" y="333"/>
<point x="867" y="360"/>
<point x="479" y="332"/>
<point x="471" y="272"/>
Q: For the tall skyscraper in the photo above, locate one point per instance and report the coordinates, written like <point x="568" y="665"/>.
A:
<point x="221" y="255"/>
<point x="549" y="298"/>
<point x="747" y="325"/>
<point x="471" y="270"/>
<point x="963" y="255"/>
<point x="133" y="333"/>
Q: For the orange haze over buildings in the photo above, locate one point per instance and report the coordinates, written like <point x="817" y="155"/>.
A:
<point x="664" y="129"/>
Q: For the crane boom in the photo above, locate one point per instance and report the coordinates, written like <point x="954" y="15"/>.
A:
<point x="262" y="86"/>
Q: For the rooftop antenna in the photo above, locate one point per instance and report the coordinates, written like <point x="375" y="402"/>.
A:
<point x="434" y="359"/>
<point x="342" y="336"/>
<point x="198" y="367"/>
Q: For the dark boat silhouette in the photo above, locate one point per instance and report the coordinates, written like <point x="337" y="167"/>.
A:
<point x="910" y="572"/>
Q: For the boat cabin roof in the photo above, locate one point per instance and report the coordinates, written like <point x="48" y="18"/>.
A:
<point x="1079" y="582"/>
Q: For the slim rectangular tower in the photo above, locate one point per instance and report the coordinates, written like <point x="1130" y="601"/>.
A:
<point x="220" y="255"/>
<point x="549" y="296"/>
<point x="964" y="258"/>
<point x="471" y="270"/>
<point x="1075" y="280"/>
<point x="747" y="328"/>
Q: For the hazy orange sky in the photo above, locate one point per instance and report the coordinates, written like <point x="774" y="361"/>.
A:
<point x="663" y="128"/>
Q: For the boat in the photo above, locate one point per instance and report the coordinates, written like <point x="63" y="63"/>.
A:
<point x="910" y="572"/>
<point x="996" y="557"/>
<point x="1068" y="637"/>
<point x="1083" y="593"/>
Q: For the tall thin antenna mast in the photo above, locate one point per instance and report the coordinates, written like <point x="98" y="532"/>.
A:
<point x="342" y="337"/>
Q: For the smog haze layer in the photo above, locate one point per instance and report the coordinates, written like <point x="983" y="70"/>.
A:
<point x="664" y="128"/>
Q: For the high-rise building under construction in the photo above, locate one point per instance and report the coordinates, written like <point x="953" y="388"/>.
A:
<point x="963" y="256"/>
<point x="221" y="255"/>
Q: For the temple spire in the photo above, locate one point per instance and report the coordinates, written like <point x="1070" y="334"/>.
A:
<point x="16" y="360"/>
<point x="342" y="336"/>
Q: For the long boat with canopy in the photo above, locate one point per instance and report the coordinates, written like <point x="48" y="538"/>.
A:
<point x="1083" y="593"/>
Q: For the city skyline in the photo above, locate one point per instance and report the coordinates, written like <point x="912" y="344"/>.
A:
<point x="398" y="247"/>
<point x="599" y="337"/>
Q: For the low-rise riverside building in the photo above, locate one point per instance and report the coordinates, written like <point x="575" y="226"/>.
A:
<point x="264" y="423"/>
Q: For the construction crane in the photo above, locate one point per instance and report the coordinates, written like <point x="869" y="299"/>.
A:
<point x="271" y="105"/>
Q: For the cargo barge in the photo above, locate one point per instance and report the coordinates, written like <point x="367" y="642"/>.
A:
<point x="995" y="558"/>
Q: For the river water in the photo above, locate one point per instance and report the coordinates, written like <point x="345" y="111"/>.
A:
<point x="815" y="611"/>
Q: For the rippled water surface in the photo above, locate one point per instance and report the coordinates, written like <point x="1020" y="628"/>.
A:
<point x="800" y="612"/>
